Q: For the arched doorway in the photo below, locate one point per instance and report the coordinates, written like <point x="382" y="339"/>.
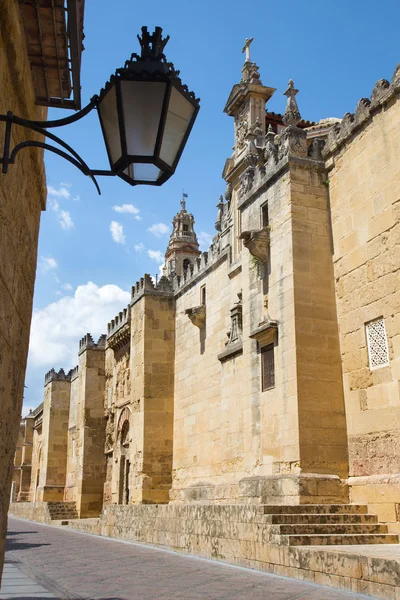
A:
<point x="37" y="482"/>
<point x="124" y="457"/>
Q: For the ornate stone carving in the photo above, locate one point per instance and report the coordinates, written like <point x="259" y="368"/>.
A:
<point x="110" y="433"/>
<point x="226" y="220"/>
<point x="218" y="221"/>
<point x="235" y="332"/>
<point x="271" y="149"/>
<point x="228" y="192"/>
<point x="234" y="344"/>
<point x="197" y="315"/>
<point x="246" y="181"/>
<point x="242" y="127"/>
<point x="257" y="242"/>
<point x="292" y="114"/>
<point x="315" y="149"/>
<point x="292" y="142"/>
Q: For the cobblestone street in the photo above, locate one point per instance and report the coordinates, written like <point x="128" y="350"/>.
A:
<point x="73" y="565"/>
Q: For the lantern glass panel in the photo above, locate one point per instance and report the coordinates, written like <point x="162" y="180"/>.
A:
<point x="109" y="120"/>
<point x="146" y="172"/>
<point x="180" y="112"/>
<point x="142" y="104"/>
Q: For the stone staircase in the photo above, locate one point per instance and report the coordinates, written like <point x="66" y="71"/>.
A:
<point x="60" y="511"/>
<point x="325" y="524"/>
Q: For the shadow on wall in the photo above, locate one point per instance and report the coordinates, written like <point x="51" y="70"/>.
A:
<point x="14" y="544"/>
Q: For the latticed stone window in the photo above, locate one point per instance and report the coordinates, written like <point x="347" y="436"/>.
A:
<point x="267" y="367"/>
<point x="377" y="344"/>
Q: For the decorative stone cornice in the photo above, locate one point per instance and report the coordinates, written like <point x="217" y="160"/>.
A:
<point x="119" y="329"/>
<point x="197" y="315"/>
<point x="266" y="333"/>
<point x="257" y="242"/>
<point x="231" y="351"/>
<point x="241" y="91"/>
<point x="342" y="132"/>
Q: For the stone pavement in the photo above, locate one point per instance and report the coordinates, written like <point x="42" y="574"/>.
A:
<point x="18" y="585"/>
<point x="76" y="565"/>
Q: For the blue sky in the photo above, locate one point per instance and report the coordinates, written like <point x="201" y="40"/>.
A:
<point x="89" y="253"/>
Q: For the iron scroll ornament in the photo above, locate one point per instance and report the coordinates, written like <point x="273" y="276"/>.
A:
<point x="41" y="127"/>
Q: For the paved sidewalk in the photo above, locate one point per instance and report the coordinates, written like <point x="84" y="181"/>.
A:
<point x="75" y="565"/>
<point x="19" y="586"/>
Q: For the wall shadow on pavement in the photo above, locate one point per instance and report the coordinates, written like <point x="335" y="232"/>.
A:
<point x="13" y="542"/>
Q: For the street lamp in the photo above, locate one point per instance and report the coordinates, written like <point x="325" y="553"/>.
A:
<point x="146" y="115"/>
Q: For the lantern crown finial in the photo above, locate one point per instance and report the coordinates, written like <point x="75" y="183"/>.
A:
<point x="152" y="45"/>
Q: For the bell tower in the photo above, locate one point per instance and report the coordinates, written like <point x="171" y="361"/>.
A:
<point x="183" y="247"/>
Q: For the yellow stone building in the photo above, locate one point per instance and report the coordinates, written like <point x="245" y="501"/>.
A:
<point x="262" y="373"/>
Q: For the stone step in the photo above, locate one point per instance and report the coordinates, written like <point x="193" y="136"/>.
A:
<point x="329" y="529"/>
<point x="283" y="519"/>
<point x="315" y="509"/>
<point x="338" y="540"/>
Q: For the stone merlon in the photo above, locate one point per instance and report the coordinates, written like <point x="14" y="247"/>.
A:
<point x="87" y="343"/>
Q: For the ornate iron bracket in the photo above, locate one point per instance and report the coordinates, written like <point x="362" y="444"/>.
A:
<point x="73" y="157"/>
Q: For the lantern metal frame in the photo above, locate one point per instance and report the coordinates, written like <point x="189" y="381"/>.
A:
<point x="150" y="66"/>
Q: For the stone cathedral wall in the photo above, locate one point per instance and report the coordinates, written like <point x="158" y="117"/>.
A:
<point x="22" y="198"/>
<point x="364" y="189"/>
<point x="226" y="429"/>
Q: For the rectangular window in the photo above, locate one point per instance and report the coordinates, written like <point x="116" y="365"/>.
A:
<point x="377" y="344"/>
<point x="186" y="228"/>
<point x="264" y="216"/>
<point x="267" y="367"/>
<point x="203" y="294"/>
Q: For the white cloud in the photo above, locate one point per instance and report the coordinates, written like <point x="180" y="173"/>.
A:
<point x="65" y="219"/>
<point x="205" y="240"/>
<point x="57" y="328"/>
<point x="138" y="217"/>
<point x="67" y="286"/>
<point x="61" y="192"/>
<point x="156" y="255"/>
<point x="117" y="232"/>
<point x="139" y="247"/>
<point x="159" y="229"/>
<point x="47" y="264"/>
<point x="126" y="208"/>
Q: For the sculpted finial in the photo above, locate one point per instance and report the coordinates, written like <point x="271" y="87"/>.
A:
<point x="292" y="114"/>
<point x="246" y="48"/>
<point x="183" y="201"/>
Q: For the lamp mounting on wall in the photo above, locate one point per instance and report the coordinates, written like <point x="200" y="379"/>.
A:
<point x="146" y="115"/>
